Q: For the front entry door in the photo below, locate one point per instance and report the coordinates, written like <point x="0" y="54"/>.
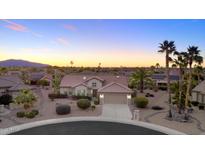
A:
<point x="94" y="92"/>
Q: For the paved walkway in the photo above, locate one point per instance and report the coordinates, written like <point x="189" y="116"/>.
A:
<point x="116" y="111"/>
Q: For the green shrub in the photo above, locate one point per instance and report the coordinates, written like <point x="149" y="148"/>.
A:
<point x="195" y="103"/>
<point x="83" y="103"/>
<point x="141" y="102"/>
<point x="30" y="115"/>
<point x="20" y="114"/>
<point x="53" y="96"/>
<point x="93" y="107"/>
<point x="36" y="112"/>
<point x="76" y="97"/>
<point x="96" y="101"/>
<point x="63" y="109"/>
<point x="6" y="99"/>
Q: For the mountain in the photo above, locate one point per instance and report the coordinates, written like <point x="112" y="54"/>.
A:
<point x="20" y="63"/>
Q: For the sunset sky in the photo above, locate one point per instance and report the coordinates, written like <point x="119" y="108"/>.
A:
<point x="88" y="42"/>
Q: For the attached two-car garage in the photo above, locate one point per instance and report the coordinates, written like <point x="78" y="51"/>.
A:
<point x="115" y="93"/>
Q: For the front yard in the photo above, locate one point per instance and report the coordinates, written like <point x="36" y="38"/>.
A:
<point x="47" y="110"/>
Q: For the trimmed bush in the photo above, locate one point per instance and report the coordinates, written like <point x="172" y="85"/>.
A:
<point x="141" y="102"/>
<point x="20" y="114"/>
<point x="63" y="109"/>
<point x="201" y="106"/>
<point x="93" y="107"/>
<point x="30" y="115"/>
<point x="53" y="96"/>
<point x="96" y="101"/>
<point x="157" y="107"/>
<point x="36" y="112"/>
<point x="76" y="97"/>
<point x="5" y="99"/>
<point x="195" y="103"/>
<point x="83" y="103"/>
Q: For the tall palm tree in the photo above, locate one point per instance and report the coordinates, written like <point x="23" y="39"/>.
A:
<point x="168" y="47"/>
<point x="181" y="62"/>
<point x="140" y="78"/>
<point x="56" y="82"/>
<point x="157" y="65"/>
<point x="198" y="70"/>
<point x="71" y="63"/>
<point x="193" y="56"/>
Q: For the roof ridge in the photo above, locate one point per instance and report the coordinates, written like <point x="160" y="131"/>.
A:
<point x="110" y="84"/>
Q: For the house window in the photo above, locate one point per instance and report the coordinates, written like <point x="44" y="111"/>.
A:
<point x="78" y="92"/>
<point x="94" y="84"/>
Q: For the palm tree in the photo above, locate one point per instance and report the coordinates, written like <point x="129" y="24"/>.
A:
<point x="181" y="62"/>
<point x="56" y="83"/>
<point x="71" y="63"/>
<point x="193" y="56"/>
<point x="140" y="78"/>
<point x="168" y="47"/>
<point x="198" y="70"/>
<point x="157" y="65"/>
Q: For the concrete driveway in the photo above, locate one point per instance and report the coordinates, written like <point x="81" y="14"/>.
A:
<point x="116" y="111"/>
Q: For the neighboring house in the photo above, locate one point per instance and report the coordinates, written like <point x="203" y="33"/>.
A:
<point x="110" y="89"/>
<point x="37" y="76"/>
<point x="48" y="77"/>
<point x="17" y="73"/>
<point x="198" y="93"/>
<point x="161" y="79"/>
<point x="12" y="85"/>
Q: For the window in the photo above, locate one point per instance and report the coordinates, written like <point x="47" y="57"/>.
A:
<point x="94" y="84"/>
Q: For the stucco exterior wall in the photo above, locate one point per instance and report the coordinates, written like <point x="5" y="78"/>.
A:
<point x="98" y="83"/>
<point x="66" y="90"/>
<point x="82" y="90"/>
<point x="194" y="96"/>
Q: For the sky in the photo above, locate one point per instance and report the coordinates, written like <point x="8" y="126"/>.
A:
<point x="113" y="43"/>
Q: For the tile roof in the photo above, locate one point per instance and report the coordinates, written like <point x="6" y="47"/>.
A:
<point x="200" y="87"/>
<point x="36" y="75"/>
<point x="19" y="86"/>
<point x="72" y="80"/>
<point x="9" y="81"/>
<point x="115" y="88"/>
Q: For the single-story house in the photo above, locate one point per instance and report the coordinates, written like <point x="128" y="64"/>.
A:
<point x="109" y="88"/>
<point x="17" y="73"/>
<point x="161" y="79"/>
<point x="12" y="85"/>
<point x="37" y="76"/>
<point x="198" y="93"/>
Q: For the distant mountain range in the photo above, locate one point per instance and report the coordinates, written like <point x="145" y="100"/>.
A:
<point x="20" y="63"/>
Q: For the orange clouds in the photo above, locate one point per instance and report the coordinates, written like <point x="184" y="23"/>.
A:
<point x="19" y="28"/>
<point x="70" y="27"/>
<point x="14" y="26"/>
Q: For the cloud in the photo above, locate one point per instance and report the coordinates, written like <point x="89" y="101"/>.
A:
<point x="62" y="41"/>
<point x="36" y="34"/>
<point x="70" y="27"/>
<point x="14" y="26"/>
<point x="18" y="27"/>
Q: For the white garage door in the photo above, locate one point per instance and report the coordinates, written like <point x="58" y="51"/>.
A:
<point x="115" y="98"/>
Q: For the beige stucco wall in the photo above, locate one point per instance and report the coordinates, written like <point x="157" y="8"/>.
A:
<point x="66" y="90"/>
<point x="82" y="90"/>
<point x="194" y="96"/>
<point x="98" y="83"/>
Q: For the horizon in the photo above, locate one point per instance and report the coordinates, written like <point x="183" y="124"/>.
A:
<point x="113" y="43"/>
